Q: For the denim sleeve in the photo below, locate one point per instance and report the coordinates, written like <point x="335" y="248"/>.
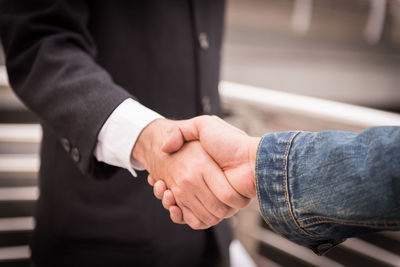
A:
<point x="317" y="189"/>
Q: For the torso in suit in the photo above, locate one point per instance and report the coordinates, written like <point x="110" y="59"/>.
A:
<point x="73" y="63"/>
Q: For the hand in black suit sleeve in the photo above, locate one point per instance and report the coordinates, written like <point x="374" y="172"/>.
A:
<point x="50" y="59"/>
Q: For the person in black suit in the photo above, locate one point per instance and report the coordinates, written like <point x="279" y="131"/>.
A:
<point x="83" y="67"/>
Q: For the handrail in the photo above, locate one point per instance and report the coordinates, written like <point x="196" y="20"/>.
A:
<point x="272" y="239"/>
<point x="308" y="106"/>
<point x="372" y="251"/>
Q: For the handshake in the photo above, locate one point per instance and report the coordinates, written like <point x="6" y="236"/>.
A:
<point x="202" y="168"/>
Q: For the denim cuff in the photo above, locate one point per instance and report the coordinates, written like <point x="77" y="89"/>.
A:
<point x="273" y="194"/>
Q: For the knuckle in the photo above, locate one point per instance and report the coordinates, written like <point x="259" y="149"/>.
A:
<point x="156" y="193"/>
<point x="193" y="222"/>
<point x="227" y="197"/>
<point x="244" y="203"/>
<point x="177" y="191"/>
<point x="180" y="202"/>
<point x="165" y="204"/>
<point x="186" y="181"/>
<point x="174" y="219"/>
<point x="231" y="212"/>
<point x="168" y="200"/>
<point x="196" y="225"/>
<point x="213" y="221"/>
<point x="204" y="117"/>
<point x="215" y="117"/>
<point x="221" y="211"/>
<point x="190" y="221"/>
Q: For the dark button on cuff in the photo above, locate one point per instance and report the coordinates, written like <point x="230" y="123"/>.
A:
<point x="75" y="154"/>
<point x="66" y="145"/>
<point x="203" y="41"/>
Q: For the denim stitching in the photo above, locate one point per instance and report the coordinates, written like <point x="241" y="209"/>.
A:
<point x="328" y="219"/>
<point x="352" y="223"/>
<point x="257" y="188"/>
<point x="285" y="184"/>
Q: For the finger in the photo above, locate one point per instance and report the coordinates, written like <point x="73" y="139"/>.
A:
<point x="150" y="180"/>
<point x="179" y="215"/>
<point x="176" y="215"/>
<point x="190" y="219"/>
<point x="168" y="199"/>
<point x="159" y="189"/>
<point x="183" y="215"/>
<point x="188" y="199"/>
<point x="219" y="185"/>
<point x="210" y="200"/>
<point x="193" y="192"/>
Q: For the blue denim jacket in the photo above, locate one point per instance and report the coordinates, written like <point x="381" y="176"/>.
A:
<point x="317" y="189"/>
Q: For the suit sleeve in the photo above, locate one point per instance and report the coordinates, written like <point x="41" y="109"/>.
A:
<point x="50" y="59"/>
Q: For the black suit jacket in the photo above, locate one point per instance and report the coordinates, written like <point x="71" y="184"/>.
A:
<point x="72" y="63"/>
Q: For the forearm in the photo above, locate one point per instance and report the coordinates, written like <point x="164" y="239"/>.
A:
<point x="317" y="188"/>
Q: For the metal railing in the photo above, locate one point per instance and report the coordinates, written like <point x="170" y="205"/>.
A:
<point x="316" y="108"/>
<point x="262" y="110"/>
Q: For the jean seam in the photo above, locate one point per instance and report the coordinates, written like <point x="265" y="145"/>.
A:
<point x="348" y="222"/>
<point x="258" y="189"/>
<point x="352" y="223"/>
<point x="285" y="183"/>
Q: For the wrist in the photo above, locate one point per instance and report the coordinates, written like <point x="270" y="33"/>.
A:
<point x="253" y="143"/>
<point x="149" y="140"/>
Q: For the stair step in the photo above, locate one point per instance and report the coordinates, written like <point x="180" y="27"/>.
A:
<point x="21" y="133"/>
<point x="14" y="253"/>
<point x="17" y="163"/>
<point x="16" y="224"/>
<point x="19" y="193"/>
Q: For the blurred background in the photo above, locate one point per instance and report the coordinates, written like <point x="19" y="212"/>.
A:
<point x="346" y="51"/>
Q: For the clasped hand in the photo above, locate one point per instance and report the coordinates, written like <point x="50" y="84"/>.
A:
<point x="202" y="168"/>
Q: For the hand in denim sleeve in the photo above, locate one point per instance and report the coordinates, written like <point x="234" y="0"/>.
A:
<point x="317" y="189"/>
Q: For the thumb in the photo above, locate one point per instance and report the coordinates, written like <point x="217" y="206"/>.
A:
<point x="184" y="131"/>
<point x="173" y="142"/>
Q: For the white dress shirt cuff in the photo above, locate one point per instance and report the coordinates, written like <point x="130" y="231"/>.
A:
<point x="119" y="133"/>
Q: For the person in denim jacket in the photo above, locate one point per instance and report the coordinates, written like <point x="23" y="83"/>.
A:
<point x="316" y="189"/>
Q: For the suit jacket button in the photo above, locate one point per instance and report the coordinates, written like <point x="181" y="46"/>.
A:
<point x="203" y="41"/>
<point x="75" y="154"/>
<point x="66" y="145"/>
